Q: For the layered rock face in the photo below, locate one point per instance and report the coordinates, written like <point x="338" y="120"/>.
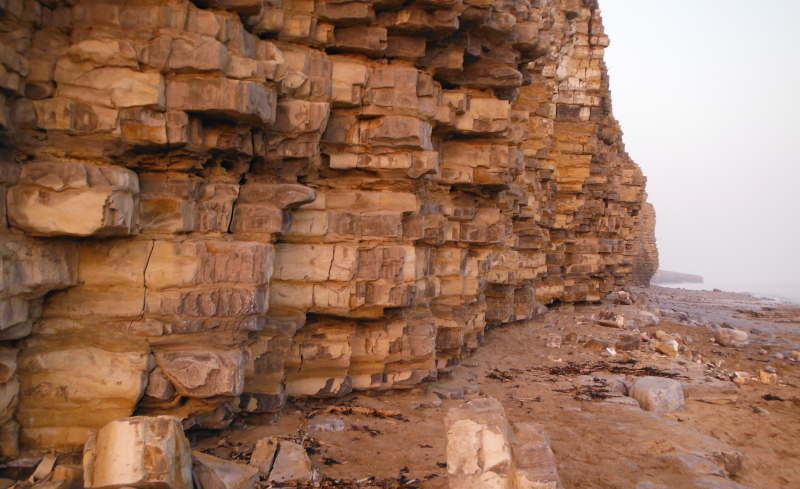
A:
<point x="645" y="260"/>
<point x="213" y="205"/>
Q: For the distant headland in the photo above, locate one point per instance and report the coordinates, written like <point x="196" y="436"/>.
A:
<point x="665" y="277"/>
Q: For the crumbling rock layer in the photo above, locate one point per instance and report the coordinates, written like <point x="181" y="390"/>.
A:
<point x="213" y="205"/>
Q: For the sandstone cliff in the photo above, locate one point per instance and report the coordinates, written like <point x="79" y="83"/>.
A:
<point x="213" y="205"/>
<point x="645" y="259"/>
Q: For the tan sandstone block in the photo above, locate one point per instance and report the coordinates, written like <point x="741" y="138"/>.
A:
<point x="319" y="358"/>
<point x="204" y="373"/>
<point x="113" y="87"/>
<point x="400" y="132"/>
<point x="138" y="452"/>
<point x="114" y="262"/>
<point x="478" y="448"/>
<point x="287" y="298"/>
<point x="370" y="41"/>
<point x="74" y="199"/>
<point x="67" y="392"/>
<point x="244" y="101"/>
<point x="101" y="301"/>
<point x="298" y="116"/>
<point x="207" y="302"/>
<point x="349" y="78"/>
<point x="310" y="263"/>
<point x="372" y="201"/>
<point x="208" y="262"/>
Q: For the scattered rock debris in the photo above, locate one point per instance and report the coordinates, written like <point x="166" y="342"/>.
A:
<point x="359" y="410"/>
<point x="366" y="483"/>
<point x="622" y="367"/>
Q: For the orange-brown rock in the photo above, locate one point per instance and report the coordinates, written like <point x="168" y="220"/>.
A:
<point x="211" y="206"/>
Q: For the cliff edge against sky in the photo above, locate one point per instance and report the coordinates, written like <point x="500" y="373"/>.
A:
<point x="213" y="205"/>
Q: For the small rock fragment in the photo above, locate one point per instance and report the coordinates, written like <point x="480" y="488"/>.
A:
<point x="66" y="477"/>
<point x="430" y="401"/>
<point x="741" y="378"/>
<point x="624" y="298"/>
<point x="216" y="473"/>
<point x="45" y="467"/>
<point x="609" y="352"/>
<point x="595" y="344"/>
<point x="648" y="319"/>
<point x="264" y="454"/>
<point x="446" y="391"/>
<point x="630" y="342"/>
<point x="553" y="341"/>
<point x="610" y="318"/>
<point x="326" y="423"/>
<point x="767" y="377"/>
<point x="668" y="346"/>
<point x="291" y="464"/>
<point x="471" y="389"/>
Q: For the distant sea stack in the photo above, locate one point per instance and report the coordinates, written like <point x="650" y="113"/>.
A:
<point x="665" y="277"/>
<point x="643" y="248"/>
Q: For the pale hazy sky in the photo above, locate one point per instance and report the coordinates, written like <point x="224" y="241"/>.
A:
<point x="708" y="96"/>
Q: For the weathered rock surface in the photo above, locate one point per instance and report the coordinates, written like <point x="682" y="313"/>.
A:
<point x="731" y="337"/>
<point x="479" y="446"/>
<point x="484" y="451"/>
<point x="216" y="473"/>
<point x="711" y="391"/>
<point x="533" y="454"/>
<point x="282" y="461"/>
<point x="645" y="262"/>
<point x="138" y="452"/>
<point x="658" y="394"/>
<point x="291" y="464"/>
<point x="234" y="202"/>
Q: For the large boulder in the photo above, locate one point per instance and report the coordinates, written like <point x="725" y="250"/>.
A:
<point x="733" y="338"/>
<point x="658" y="394"/>
<point x="478" y="448"/>
<point x="143" y="452"/>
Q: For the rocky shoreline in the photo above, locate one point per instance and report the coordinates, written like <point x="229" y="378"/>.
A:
<point x="736" y="359"/>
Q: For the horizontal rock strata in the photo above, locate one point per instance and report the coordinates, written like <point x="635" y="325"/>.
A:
<point x="213" y="205"/>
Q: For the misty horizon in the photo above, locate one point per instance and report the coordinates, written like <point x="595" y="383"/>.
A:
<point x="706" y="96"/>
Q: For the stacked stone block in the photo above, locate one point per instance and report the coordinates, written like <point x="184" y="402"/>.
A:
<point x="212" y="206"/>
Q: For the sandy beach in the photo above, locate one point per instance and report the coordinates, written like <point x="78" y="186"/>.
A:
<point x="600" y="437"/>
